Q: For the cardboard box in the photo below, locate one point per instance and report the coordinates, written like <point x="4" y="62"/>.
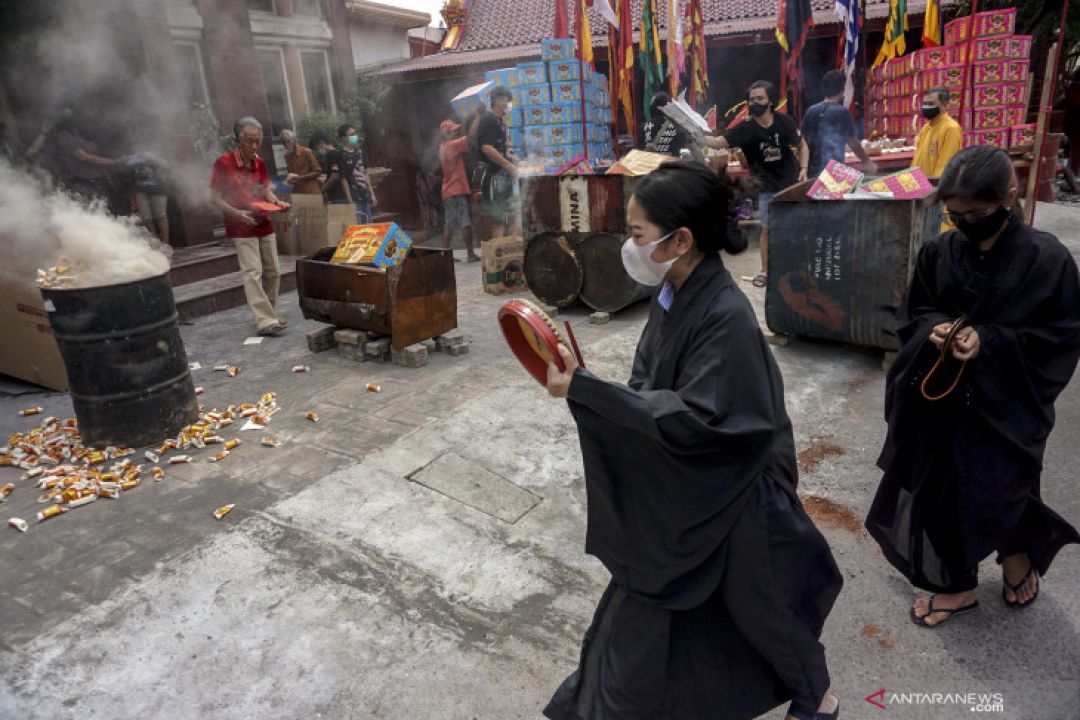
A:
<point x="535" y="94"/>
<point x="317" y="224"/>
<point x="564" y="70"/>
<point x="998" y="137"/>
<point x="560" y="113"/>
<point x="986" y="118"/>
<point x="532" y="73"/>
<point x="503" y="265"/>
<point x="556" y="49"/>
<point x="472" y="99"/>
<point x="1021" y="135"/>
<point x="995" y="22"/>
<point x="957" y="31"/>
<point x="507" y="77"/>
<point x="834" y="182"/>
<point x="566" y="92"/>
<point x="29" y="351"/>
<point x="381" y="245"/>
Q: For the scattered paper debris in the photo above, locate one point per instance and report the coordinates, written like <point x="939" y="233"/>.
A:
<point x="5" y="491"/>
<point x="233" y="371"/>
<point x="219" y="456"/>
<point x="179" y="459"/>
<point x="199" y="390"/>
<point x="254" y="340"/>
<point x="50" y="512"/>
<point x="223" y="510"/>
<point x="19" y="524"/>
<point x="301" y="369"/>
<point x="313" y="417"/>
<point x="26" y="412"/>
<point x="194" y="366"/>
<point x="372" y="387"/>
<point x="269" y="441"/>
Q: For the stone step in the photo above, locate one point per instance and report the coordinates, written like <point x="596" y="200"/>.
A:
<point x="202" y="262"/>
<point x="223" y="292"/>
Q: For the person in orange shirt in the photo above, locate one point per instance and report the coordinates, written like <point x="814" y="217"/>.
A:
<point x="940" y="138"/>
<point x="453" y="147"/>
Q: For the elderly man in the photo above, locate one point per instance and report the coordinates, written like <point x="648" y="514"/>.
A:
<point x="303" y="167"/>
<point x="238" y="183"/>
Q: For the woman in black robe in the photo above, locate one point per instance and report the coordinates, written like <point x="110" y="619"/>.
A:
<point x="961" y="470"/>
<point x="720" y="582"/>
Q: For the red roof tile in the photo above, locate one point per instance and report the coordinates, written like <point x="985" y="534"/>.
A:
<point x="512" y="29"/>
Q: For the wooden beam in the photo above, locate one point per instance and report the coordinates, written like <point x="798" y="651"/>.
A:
<point x="1040" y="133"/>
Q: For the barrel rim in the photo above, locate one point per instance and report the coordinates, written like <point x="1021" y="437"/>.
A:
<point x="91" y="288"/>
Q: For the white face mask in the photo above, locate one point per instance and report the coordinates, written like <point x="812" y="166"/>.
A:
<point x="637" y="259"/>
<point x="509" y="106"/>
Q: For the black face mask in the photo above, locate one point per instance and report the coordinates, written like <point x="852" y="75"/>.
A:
<point x="757" y="110"/>
<point x="930" y="111"/>
<point x="984" y="228"/>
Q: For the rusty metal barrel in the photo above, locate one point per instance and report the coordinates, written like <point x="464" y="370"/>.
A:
<point x="839" y="269"/>
<point x="126" y="365"/>
<point x="607" y="287"/>
<point x="553" y="268"/>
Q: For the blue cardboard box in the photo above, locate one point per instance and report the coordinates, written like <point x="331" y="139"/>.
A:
<point x="513" y="119"/>
<point x="535" y="94"/>
<point x="517" y="137"/>
<point x="534" y="135"/>
<point x="534" y="115"/>
<point x="507" y="77"/>
<point x="564" y="112"/>
<point x="565" y="91"/>
<point x="532" y="73"/>
<point x="556" y="155"/>
<point x="565" y="134"/>
<point x="565" y="70"/>
<point x="472" y="99"/>
<point x="556" y="49"/>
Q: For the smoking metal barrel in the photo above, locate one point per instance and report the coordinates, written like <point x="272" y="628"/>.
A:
<point x="839" y="269"/>
<point x="607" y="287"/>
<point x="126" y="365"/>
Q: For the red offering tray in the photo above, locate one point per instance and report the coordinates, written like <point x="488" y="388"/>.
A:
<point x="533" y="337"/>
<point x="266" y="206"/>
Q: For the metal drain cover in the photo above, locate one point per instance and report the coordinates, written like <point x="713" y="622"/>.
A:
<point x="474" y="485"/>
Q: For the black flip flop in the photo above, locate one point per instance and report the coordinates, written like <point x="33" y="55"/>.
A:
<point x="1016" y="605"/>
<point x="834" y="715"/>
<point x="921" y="621"/>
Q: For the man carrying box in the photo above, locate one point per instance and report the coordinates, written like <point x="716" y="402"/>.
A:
<point x="455" y="186"/>
<point x="940" y="138"/>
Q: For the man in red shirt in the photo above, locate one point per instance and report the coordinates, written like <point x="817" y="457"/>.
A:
<point x="239" y="180"/>
<point x="455" y="187"/>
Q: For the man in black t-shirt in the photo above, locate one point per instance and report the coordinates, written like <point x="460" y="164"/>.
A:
<point x="767" y="140"/>
<point x="495" y="164"/>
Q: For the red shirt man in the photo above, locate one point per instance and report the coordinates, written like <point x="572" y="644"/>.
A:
<point x="455" y="187"/>
<point x="240" y="184"/>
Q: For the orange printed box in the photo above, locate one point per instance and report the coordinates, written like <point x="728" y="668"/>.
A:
<point x="382" y="245"/>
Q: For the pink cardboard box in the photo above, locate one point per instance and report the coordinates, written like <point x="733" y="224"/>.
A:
<point x="995" y="22"/>
<point x="998" y="137"/>
<point x="929" y="58"/>
<point x="1016" y="93"/>
<point x="1016" y="70"/>
<point x="1002" y="47"/>
<point x="990" y="117"/>
<point x="1021" y="135"/>
<point x="909" y="184"/>
<point x="949" y="76"/>
<point x="1018" y="47"/>
<point x="990" y="95"/>
<point x="834" y="182"/>
<point x="957" y="30"/>
<point x="1016" y="114"/>
<point x="988" y="72"/>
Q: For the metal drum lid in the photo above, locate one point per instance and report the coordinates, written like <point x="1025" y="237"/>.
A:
<point x="553" y="268"/>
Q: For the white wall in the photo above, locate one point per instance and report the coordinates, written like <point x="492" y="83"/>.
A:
<point x="377" y="43"/>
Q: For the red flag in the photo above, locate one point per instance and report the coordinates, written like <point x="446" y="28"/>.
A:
<point x="562" y="23"/>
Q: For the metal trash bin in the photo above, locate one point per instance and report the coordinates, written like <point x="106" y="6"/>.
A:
<point x="128" y="372"/>
<point x="839" y="269"/>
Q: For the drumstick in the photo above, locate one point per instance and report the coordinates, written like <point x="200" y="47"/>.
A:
<point x="573" y="343"/>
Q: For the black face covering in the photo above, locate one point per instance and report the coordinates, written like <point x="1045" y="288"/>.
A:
<point x="757" y="110"/>
<point x="930" y="111"/>
<point x="984" y="228"/>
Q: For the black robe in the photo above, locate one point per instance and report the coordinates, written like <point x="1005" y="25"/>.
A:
<point x="961" y="475"/>
<point x="720" y="582"/>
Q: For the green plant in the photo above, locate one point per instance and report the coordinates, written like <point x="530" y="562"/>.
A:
<point x="208" y="137"/>
<point x="366" y="103"/>
<point x="323" y="121"/>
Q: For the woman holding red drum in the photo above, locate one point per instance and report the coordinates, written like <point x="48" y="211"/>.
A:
<point x="720" y="584"/>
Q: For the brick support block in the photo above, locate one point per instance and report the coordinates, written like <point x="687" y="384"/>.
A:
<point x="600" y="318"/>
<point x="320" y="340"/>
<point x="350" y="337"/>
<point x="411" y="356"/>
<point x="456" y="350"/>
<point x="454" y="338"/>
<point x="352" y="352"/>
<point x="378" y="350"/>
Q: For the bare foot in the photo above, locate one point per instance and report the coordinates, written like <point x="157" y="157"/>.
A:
<point x="1013" y="569"/>
<point x="942" y="602"/>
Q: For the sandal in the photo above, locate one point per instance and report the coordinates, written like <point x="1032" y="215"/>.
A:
<point x="921" y="621"/>
<point x="1015" y="604"/>
<point x="834" y="715"/>
<point x="759" y="280"/>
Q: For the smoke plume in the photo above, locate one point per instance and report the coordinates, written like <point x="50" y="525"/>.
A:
<point x="39" y="226"/>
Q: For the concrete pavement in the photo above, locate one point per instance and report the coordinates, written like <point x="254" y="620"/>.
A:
<point x="418" y="552"/>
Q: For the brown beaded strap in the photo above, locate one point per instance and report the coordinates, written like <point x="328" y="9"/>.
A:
<point x="946" y="347"/>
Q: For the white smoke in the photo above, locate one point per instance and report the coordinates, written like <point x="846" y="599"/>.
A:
<point x="39" y="226"/>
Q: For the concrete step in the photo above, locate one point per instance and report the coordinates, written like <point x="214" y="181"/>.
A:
<point x="223" y="292"/>
<point x="202" y="262"/>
